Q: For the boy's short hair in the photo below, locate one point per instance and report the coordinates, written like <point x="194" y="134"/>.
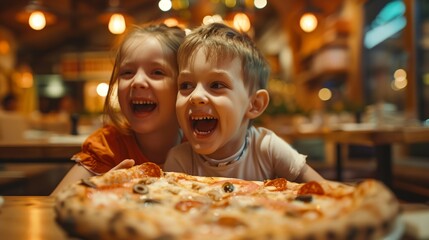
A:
<point x="170" y="39"/>
<point x="220" y="41"/>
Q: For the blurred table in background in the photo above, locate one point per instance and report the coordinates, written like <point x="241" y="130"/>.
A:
<point x="35" y="164"/>
<point x="41" y="147"/>
<point x="381" y="138"/>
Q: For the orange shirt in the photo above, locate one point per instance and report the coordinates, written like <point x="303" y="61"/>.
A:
<point x="106" y="148"/>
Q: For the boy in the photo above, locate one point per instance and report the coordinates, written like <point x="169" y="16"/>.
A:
<point x="221" y="84"/>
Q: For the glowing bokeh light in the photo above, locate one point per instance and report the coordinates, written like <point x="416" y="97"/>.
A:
<point x="37" y="20"/>
<point x="308" y="22"/>
<point x="325" y="94"/>
<point x="102" y="89"/>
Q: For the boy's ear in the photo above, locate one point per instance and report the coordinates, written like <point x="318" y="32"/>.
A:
<point x="258" y="103"/>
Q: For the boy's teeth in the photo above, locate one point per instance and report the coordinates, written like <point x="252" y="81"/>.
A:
<point x="143" y="102"/>
<point x="202" y="118"/>
<point x="203" y="125"/>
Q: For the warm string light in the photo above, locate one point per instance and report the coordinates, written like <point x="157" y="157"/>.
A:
<point x="102" y="89"/>
<point x="212" y="19"/>
<point x="116" y="17"/>
<point x="117" y="23"/>
<point x="24" y="77"/>
<point x="165" y="5"/>
<point x="36" y="15"/>
<point x="260" y="3"/>
<point x="308" y="22"/>
<point x="400" y="80"/>
<point x="241" y="22"/>
<point x="325" y="94"/>
<point x="37" y="20"/>
<point x="171" y="22"/>
<point x="5" y="47"/>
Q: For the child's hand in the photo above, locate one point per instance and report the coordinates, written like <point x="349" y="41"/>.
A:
<point x="127" y="163"/>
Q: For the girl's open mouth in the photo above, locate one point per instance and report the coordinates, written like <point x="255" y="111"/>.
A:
<point x="143" y="106"/>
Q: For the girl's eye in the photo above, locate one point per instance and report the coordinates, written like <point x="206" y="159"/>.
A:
<point x="126" y="74"/>
<point x="217" y="85"/>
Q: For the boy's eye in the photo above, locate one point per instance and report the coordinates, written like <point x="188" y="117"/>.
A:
<point x="158" y="72"/>
<point x="217" y="85"/>
<point x="185" y="86"/>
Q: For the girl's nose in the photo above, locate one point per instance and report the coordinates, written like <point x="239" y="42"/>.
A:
<point x="140" y="80"/>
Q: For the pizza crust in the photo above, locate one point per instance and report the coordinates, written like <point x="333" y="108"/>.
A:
<point x="179" y="206"/>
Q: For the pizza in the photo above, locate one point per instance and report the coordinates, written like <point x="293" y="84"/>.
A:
<point x="143" y="202"/>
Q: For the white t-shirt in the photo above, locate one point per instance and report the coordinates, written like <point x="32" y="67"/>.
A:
<point x="266" y="156"/>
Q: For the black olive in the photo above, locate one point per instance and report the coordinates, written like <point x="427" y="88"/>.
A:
<point x="228" y="187"/>
<point x="304" y="198"/>
<point x="140" y="189"/>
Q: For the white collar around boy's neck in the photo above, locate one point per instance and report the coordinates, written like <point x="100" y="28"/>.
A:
<point x="226" y="161"/>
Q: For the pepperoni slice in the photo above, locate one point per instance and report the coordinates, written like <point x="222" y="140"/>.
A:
<point x="279" y="183"/>
<point x="229" y="221"/>
<point x="186" y="205"/>
<point x="311" y="188"/>
<point x="150" y="169"/>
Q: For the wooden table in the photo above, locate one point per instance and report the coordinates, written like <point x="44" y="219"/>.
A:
<point x="52" y="149"/>
<point x="35" y="166"/>
<point x="33" y="217"/>
<point x="382" y="139"/>
<point x="29" y="217"/>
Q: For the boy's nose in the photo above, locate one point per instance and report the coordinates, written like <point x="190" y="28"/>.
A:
<point x="196" y="100"/>
<point x="198" y="96"/>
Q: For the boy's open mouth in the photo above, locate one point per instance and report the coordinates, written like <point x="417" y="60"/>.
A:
<point x="143" y="106"/>
<point x="203" y="125"/>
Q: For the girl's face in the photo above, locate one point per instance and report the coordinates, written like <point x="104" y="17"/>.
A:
<point x="147" y="86"/>
<point x="211" y="106"/>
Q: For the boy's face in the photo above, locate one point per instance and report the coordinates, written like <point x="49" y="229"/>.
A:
<point x="146" y="85"/>
<point x="211" y="105"/>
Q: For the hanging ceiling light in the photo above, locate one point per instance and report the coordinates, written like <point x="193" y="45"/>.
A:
<point x="36" y="15"/>
<point x="117" y="23"/>
<point x="241" y="22"/>
<point x="308" y="21"/>
<point x="117" y="19"/>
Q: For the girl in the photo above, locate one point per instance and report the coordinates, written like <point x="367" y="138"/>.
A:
<point x="143" y="126"/>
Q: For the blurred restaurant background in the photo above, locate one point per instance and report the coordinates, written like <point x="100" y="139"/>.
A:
<point x="337" y="65"/>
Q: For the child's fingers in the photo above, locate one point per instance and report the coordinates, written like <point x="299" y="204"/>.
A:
<point x="127" y="163"/>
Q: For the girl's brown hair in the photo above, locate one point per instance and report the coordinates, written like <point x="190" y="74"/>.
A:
<point x="169" y="37"/>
